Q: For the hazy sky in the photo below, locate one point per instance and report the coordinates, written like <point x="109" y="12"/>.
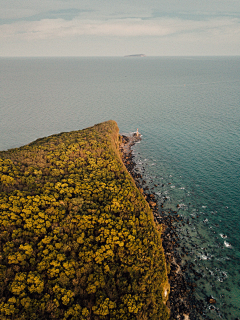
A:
<point x="119" y="27"/>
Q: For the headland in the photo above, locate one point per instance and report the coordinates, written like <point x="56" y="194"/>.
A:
<point x="78" y="238"/>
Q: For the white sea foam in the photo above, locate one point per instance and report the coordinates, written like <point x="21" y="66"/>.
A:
<point x="222" y="276"/>
<point x="223" y="236"/>
<point x="227" y="244"/>
<point x="223" y="258"/>
<point x="181" y="205"/>
<point x="203" y="257"/>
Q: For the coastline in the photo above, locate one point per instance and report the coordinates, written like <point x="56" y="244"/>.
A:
<point x="182" y="303"/>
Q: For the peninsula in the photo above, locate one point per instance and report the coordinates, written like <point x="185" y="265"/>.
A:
<point x="78" y="239"/>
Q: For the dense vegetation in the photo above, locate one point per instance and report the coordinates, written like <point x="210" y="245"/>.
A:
<point x="77" y="238"/>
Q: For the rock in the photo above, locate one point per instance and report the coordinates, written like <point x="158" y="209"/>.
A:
<point x="212" y="300"/>
<point x="152" y="204"/>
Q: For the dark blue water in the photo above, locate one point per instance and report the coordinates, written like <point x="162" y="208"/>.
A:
<point x="188" y="111"/>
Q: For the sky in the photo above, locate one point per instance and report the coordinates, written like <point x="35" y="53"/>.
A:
<point x="119" y="27"/>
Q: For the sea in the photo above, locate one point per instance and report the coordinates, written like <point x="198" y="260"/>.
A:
<point x="187" y="110"/>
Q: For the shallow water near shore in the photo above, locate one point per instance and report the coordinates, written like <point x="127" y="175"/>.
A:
<point x="205" y="239"/>
<point x="188" y="112"/>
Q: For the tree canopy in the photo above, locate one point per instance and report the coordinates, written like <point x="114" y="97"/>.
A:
<point x="77" y="238"/>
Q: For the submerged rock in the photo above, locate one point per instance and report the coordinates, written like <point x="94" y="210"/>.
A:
<point x="212" y="300"/>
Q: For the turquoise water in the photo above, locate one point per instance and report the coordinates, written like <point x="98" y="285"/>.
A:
<point x="188" y="111"/>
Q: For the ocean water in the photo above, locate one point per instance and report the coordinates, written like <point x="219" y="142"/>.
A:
<point x="188" y="112"/>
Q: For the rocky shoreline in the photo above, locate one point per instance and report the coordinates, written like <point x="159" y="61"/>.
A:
<point x="182" y="302"/>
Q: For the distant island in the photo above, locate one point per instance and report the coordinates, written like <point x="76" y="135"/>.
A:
<point x="78" y="239"/>
<point x="141" y="55"/>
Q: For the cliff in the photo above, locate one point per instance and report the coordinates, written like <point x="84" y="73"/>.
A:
<point x="77" y="238"/>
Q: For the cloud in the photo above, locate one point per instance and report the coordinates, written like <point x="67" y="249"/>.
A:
<point x="161" y="27"/>
<point x="106" y="27"/>
<point x="12" y="9"/>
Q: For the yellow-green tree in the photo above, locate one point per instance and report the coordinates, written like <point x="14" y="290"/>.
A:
<point x="77" y="238"/>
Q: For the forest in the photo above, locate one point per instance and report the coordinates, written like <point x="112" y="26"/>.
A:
<point x="77" y="238"/>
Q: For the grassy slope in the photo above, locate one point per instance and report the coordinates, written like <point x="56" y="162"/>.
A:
<point x="77" y="238"/>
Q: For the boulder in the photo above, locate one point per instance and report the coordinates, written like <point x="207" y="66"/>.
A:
<point x="152" y="204"/>
<point x="212" y="300"/>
